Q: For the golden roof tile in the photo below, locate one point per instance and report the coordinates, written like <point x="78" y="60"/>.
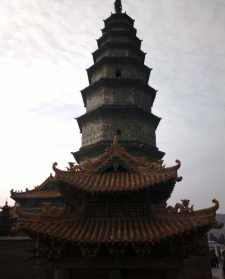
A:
<point x="171" y="223"/>
<point x="115" y="171"/>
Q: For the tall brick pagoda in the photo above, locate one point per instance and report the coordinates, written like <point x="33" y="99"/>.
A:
<point x="118" y="98"/>
<point x="115" y="222"/>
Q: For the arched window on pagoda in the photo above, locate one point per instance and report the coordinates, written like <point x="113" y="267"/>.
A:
<point x="118" y="73"/>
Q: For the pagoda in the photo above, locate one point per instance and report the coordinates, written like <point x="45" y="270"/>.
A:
<point x="118" y="98"/>
<point x="115" y="222"/>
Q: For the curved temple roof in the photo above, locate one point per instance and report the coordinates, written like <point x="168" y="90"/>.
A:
<point x="117" y="171"/>
<point x="47" y="190"/>
<point x="170" y="222"/>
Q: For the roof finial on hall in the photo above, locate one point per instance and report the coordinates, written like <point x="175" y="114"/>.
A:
<point x="118" y="6"/>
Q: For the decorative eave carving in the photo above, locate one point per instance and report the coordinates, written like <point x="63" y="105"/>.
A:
<point x="133" y="147"/>
<point x="116" y="171"/>
<point x="184" y="208"/>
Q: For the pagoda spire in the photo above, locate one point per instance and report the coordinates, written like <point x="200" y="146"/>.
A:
<point x="118" y="94"/>
<point x="118" y="6"/>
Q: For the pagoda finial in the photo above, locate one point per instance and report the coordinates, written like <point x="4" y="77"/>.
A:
<point x="118" y="6"/>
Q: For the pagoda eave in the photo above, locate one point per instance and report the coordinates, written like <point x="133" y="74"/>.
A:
<point x="115" y="34"/>
<point x="114" y="82"/>
<point x="119" y="45"/>
<point x="108" y="109"/>
<point x="118" y="83"/>
<point x="107" y="30"/>
<point x="115" y="25"/>
<point x="132" y="147"/>
<point x="119" y="18"/>
<point x="115" y="60"/>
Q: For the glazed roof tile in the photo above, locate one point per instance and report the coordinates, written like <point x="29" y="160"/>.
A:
<point x="116" y="182"/>
<point x="46" y="190"/>
<point x="117" y="171"/>
<point x="170" y="223"/>
<point x="36" y="194"/>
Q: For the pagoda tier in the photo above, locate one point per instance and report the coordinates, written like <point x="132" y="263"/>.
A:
<point x="110" y="67"/>
<point x="118" y="48"/>
<point x="120" y="37"/>
<point x="118" y="98"/>
<point x="142" y="125"/>
<point x="108" y="90"/>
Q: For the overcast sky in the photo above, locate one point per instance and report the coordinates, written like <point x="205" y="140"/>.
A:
<point x="45" y="47"/>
